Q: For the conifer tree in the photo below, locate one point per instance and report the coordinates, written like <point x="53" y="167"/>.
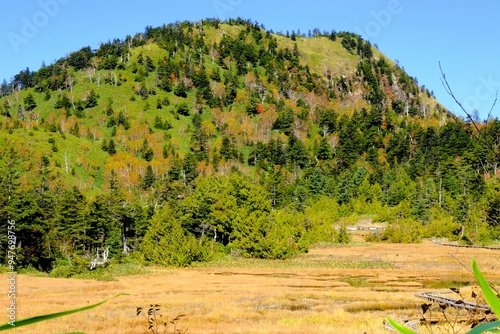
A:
<point x="29" y="102"/>
<point x="324" y="150"/>
<point x="226" y="150"/>
<point x="111" y="147"/>
<point x="317" y="182"/>
<point x="69" y="222"/>
<point x="296" y="152"/>
<point x="189" y="168"/>
<point x="149" y="178"/>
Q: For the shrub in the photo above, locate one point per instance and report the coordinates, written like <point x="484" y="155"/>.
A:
<point x="183" y="109"/>
<point x="342" y="236"/>
<point x="405" y="231"/>
<point x="168" y="243"/>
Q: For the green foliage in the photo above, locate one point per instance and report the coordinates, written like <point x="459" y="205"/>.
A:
<point x="29" y="102"/>
<point x="343" y="236"/>
<point x="403" y="231"/>
<point x="149" y="178"/>
<point x="110" y="148"/>
<point x="167" y="243"/>
<point x="278" y="235"/>
<point x="490" y="296"/>
<point x="324" y="150"/>
<point x="400" y="328"/>
<point x="91" y="101"/>
<point x="67" y="270"/>
<point x="180" y="90"/>
<point x="321" y="216"/>
<point x="284" y="122"/>
<point x="183" y="109"/>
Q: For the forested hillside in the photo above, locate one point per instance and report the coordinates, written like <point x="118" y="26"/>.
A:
<point x="197" y="139"/>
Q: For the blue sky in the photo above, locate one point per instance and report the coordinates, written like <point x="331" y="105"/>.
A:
<point x="462" y="35"/>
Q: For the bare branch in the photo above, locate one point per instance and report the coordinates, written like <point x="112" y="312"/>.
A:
<point x="491" y="109"/>
<point x="470" y="270"/>
<point x="482" y="135"/>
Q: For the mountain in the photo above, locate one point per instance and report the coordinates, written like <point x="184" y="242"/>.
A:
<point x="224" y="132"/>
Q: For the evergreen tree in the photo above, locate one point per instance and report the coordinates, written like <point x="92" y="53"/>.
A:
<point x="180" y="90"/>
<point x="324" y="150"/>
<point x="230" y="93"/>
<point x="29" y="102"/>
<point x="168" y="243"/>
<point x="149" y="178"/>
<point x="183" y="109"/>
<point x="277" y="188"/>
<point x="401" y="186"/>
<point x="104" y="145"/>
<point x="91" y="101"/>
<point x="277" y="153"/>
<point x="10" y="171"/>
<point x="111" y="147"/>
<point x="201" y="82"/>
<point x="98" y="226"/>
<point x="146" y="151"/>
<point x="189" y="168"/>
<point x="317" y="182"/>
<point x="227" y="151"/>
<point x="258" y="155"/>
<point x="284" y="122"/>
<point x="166" y="84"/>
<point x="69" y="222"/>
<point x="297" y="152"/>
<point x="328" y="121"/>
<point x="300" y="195"/>
<point x="122" y="120"/>
<point x="343" y="190"/>
<point x="32" y="219"/>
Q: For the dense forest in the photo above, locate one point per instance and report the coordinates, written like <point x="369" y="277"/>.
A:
<point x="199" y="139"/>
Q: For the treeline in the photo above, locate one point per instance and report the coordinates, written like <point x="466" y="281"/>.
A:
<point x="184" y="222"/>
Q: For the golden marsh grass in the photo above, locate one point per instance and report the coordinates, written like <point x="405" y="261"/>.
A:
<point x="347" y="289"/>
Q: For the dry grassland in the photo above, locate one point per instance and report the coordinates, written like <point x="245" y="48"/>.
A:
<point x="346" y="289"/>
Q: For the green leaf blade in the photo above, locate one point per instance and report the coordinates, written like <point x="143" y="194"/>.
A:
<point x="490" y="296"/>
<point x="39" y="318"/>
<point x="489" y="326"/>
<point x="400" y="328"/>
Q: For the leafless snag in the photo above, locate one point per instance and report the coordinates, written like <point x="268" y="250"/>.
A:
<point x="99" y="259"/>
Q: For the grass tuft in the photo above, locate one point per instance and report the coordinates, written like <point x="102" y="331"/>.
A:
<point x="377" y="306"/>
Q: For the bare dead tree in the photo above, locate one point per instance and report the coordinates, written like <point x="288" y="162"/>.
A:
<point x="99" y="259"/>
